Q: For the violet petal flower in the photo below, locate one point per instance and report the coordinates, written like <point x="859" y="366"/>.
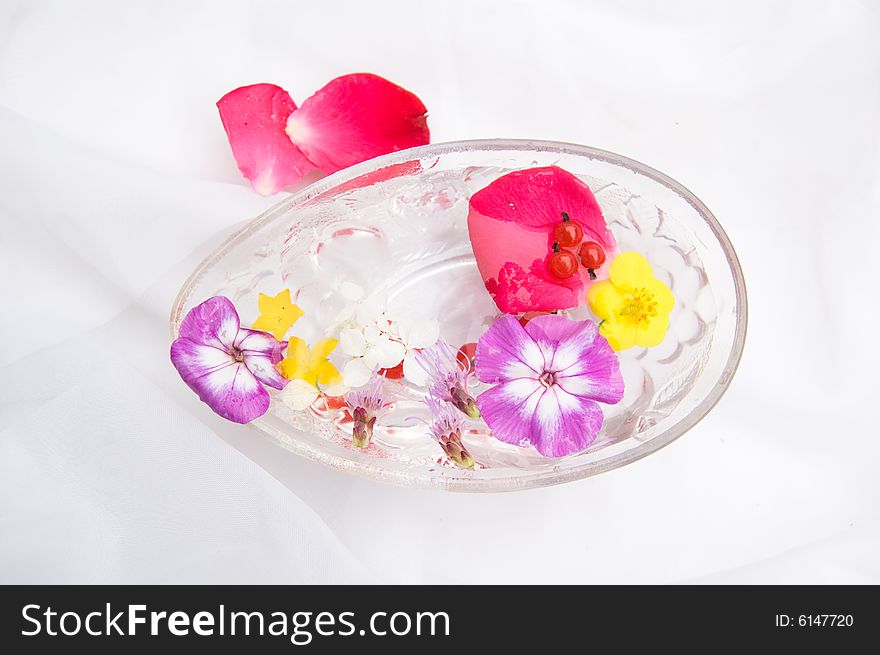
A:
<point x="365" y="406"/>
<point x="549" y="377"/>
<point x="448" y="379"/>
<point x="226" y="364"/>
<point x="445" y="427"/>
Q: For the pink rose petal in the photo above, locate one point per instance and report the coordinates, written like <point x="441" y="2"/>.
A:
<point x="536" y="197"/>
<point x="510" y="224"/>
<point x="357" y="117"/>
<point x="255" y="117"/>
<point x="512" y="262"/>
<point x="403" y="169"/>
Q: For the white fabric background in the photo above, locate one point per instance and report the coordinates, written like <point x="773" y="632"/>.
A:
<point x="116" y="179"/>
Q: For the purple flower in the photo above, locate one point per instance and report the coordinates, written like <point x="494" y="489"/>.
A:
<point x="365" y="406"/>
<point x="226" y="364"/>
<point x="448" y="379"/>
<point x="548" y="376"/>
<point x="445" y="427"/>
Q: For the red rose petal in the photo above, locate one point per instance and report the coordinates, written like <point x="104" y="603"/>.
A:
<point x="357" y="117"/>
<point x="511" y="224"/>
<point x="254" y="118"/>
<point x="405" y="168"/>
<point x="511" y="260"/>
<point x="536" y="197"/>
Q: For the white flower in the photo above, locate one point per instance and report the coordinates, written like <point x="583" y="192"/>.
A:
<point x="417" y="334"/>
<point x="299" y="395"/>
<point x="375" y="339"/>
<point x="359" y="309"/>
<point x="371" y="349"/>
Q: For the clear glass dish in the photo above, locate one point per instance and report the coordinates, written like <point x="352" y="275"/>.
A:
<point x="398" y="223"/>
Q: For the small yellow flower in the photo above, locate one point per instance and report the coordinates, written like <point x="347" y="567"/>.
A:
<point x="306" y="369"/>
<point x="277" y="314"/>
<point x="634" y="305"/>
<point x="310" y="365"/>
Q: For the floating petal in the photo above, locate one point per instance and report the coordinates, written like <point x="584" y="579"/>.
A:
<point x="564" y="424"/>
<point x="299" y="395"/>
<point x="508" y="408"/>
<point x="535" y="198"/>
<point x="193" y="360"/>
<point x="213" y="323"/>
<point x="277" y="314"/>
<point x="633" y="304"/>
<point x="419" y="332"/>
<point x="296" y="364"/>
<point x="260" y="342"/>
<point x="511" y="225"/>
<point x="231" y="390"/>
<point x="582" y="361"/>
<point x="385" y="353"/>
<point x="506" y="351"/>
<point x="356" y="373"/>
<point x="629" y="270"/>
<point x="352" y="342"/>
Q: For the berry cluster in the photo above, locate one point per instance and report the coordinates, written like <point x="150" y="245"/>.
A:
<point x="563" y="263"/>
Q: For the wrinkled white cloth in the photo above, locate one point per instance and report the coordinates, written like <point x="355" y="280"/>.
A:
<point x="116" y="180"/>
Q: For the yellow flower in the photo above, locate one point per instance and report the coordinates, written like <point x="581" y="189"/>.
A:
<point x="277" y="314"/>
<point x="634" y="305"/>
<point x="306" y="369"/>
<point x="310" y="365"/>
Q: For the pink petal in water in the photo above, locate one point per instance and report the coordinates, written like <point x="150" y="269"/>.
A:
<point x="510" y="224"/>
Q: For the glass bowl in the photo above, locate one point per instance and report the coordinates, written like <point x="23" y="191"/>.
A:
<point x="398" y="224"/>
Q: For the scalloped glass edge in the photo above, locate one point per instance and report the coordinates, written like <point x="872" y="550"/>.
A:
<point x="527" y="480"/>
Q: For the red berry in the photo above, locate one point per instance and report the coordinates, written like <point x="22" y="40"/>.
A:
<point x="465" y="356"/>
<point x="562" y="264"/>
<point x="591" y="255"/>
<point x="568" y="234"/>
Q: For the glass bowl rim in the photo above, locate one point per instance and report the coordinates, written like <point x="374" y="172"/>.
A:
<point x="367" y="468"/>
